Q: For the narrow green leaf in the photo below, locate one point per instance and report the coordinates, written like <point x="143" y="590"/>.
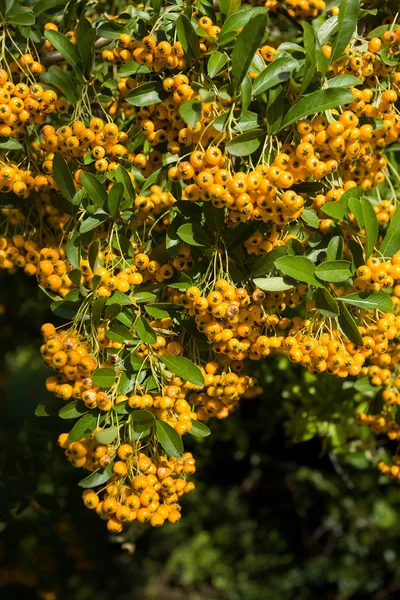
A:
<point x="85" y="36"/>
<point x="310" y="217"/>
<point x="190" y="112"/>
<point x="326" y="304"/>
<point x="272" y="284"/>
<point x="299" y="268"/>
<point x="104" y="377"/>
<point x="184" y="368"/>
<point x="216" y="62"/>
<point x="83" y="428"/>
<point x="63" y="177"/>
<point x="199" y="429"/>
<point x="10" y="144"/>
<point x="371" y="226"/>
<point x="334" y="271"/>
<point x="96" y="190"/>
<point x="246" y="143"/>
<point x="72" y="410"/>
<point x="370" y="301"/>
<point x="309" y="45"/>
<point x="64" y="47"/>
<point x="73" y="250"/>
<point x="145" y="94"/>
<point x="347" y="25"/>
<point x="193" y="234"/>
<point x="114" y="199"/>
<point x="106" y="436"/>
<point x="344" y="81"/>
<point x="237" y="21"/>
<point x="335" y="248"/>
<point x="228" y="7"/>
<point x="264" y="264"/>
<point x="317" y="102"/>
<point x="276" y="72"/>
<point x="348" y="326"/>
<point x="188" y="37"/>
<point x="93" y="221"/>
<point x="391" y="242"/>
<point x="169" y="439"/>
<point x="144" y="331"/>
<point x="247" y="42"/>
<point x="96" y="478"/>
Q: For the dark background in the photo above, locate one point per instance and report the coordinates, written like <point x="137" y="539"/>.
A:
<point x="272" y="517"/>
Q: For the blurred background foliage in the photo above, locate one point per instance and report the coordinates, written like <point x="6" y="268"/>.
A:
<point x="288" y="502"/>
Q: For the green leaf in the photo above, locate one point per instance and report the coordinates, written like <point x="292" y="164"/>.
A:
<point x="11" y="144"/>
<point x="63" y="177"/>
<point x="96" y="190"/>
<point x="122" y="176"/>
<point x="62" y="80"/>
<point x="237" y="21"/>
<point x="264" y="264"/>
<point x="272" y="284"/>
<point x="334" y="271"/>
<point x="133" y="68"/>
<point x="344" y="81"/>
<point x="96" y="478"/>
<point x="311" y="57"/>
<point x="97" y="310"/>
<point x="315" y="103"/>
<point x="310" y="217"/>
<point x="216" y="62"/>
<point x="370" y="301"/>
<point x="47" y="408"/>
<point x="299" y="268"/>
<point x="215" y="217"/>
<point x="199" y="429"/>
<point x="348" y="326"/>
<point x="85" y="37"/>
<point x="144" y="297"/>
<point x="193" y="234"/>
<point x="93" y="221"/>
<point x="140" y="415"/>
<point x="188" y="37"/>
<point x="83" y="428"/>
<point x="246" y="44"/>
<point x="64" y="47"/>
<point x="119" y="298"/>
<point x="228" y="7"/>
<point x="371" y="226"/>
<point x="246" y="143"/>
<point x="145" y="94"/>
<point x="169" y="439"/>
<point x="276" y="72"/>
<point x="21" y="18"/>
<point x="72" y="410"/>
<point x="347" y="25"/>
<point x="144" y="331"/>
<point x="245" y="93"/>
<point x="184" y="368"/>
<point x="190" y="112"/>
<point x="45" y="5"/>
<point x="114" y="199"/>
<point x="106" y="436"/>
<point x="326" y="304"/>
<point x="391" y="242"/>
<point x="104" y="377"/>
<point x="364" y="386"/>
<point x="335" y="210"/>
<point x="275" y="108"/>
<point x="73" y="250"/>
<point x="335" y="248"/>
